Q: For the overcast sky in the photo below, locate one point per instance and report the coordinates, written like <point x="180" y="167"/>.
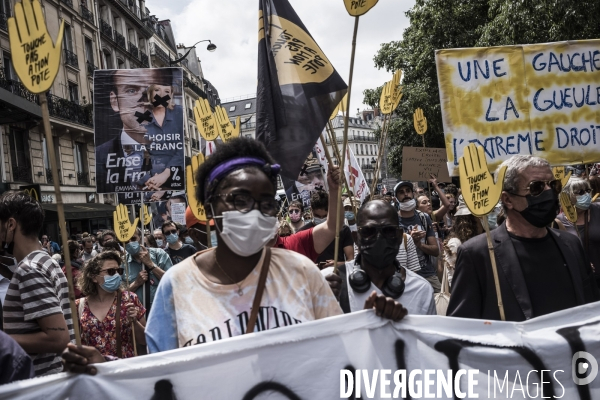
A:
<point x="233" y="26"/>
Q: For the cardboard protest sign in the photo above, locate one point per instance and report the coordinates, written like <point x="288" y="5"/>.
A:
<point x="170" y="210"/>
<point x="421" y="356"/>
<point x="419" y="162"/>
<point x="541" y="99"/>
<point x="138" y="124"/>
<point x="310" y="179"/>
<point x="36" y="59"/>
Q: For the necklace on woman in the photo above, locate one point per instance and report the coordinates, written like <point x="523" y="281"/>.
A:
<point x="240" y="292"/>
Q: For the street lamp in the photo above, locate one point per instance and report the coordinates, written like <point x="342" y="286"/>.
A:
<point x="211" y="47"/>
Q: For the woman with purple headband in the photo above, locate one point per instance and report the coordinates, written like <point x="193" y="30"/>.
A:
<point x="209" y="296"/>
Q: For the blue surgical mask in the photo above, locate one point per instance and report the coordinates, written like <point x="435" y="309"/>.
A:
<point x="172" y="238"/>
<point x="213" y="239"/>
<point x="584" y="201"/>
<point x="318" y="221"/>
<point x="132" y="248"/>
<point x="189" y="240"/>
<point x="159" y="242"/>
<point x="111" y="283"/>
<point x="349" y="215"/>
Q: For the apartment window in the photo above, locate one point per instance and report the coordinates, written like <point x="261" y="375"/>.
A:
<point x="19" y="155"/>
<point x="121" y="63"/>
<point x="79" y="156"/>
<point x="67" y="38"/>
<point x="9" y="71"/>
<point x="5" y="7"/>
<point x="232" y="108"/>
<point x="362" y="150"/>
<point x="73" y="92"/>
<point x="108" y="63"/>
<point x="89" y="50"/>
<point x="248" y="105"/>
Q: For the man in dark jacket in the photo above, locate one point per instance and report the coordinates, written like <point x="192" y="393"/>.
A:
<point x="540" y="270"/>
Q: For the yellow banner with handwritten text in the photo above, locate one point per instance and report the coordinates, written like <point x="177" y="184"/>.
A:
<point x="541" y="99"/>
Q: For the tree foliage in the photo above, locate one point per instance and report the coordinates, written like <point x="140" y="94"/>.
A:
<point x="445" y="24"/>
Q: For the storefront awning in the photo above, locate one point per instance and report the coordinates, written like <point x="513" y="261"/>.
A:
<point x="76" y="211"/>
<point x="14" y="108"/>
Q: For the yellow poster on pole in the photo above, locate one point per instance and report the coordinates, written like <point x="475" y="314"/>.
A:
<point x="190" y="188"/>
<point x="359" y="7"/>
<point x="541" y="99"/>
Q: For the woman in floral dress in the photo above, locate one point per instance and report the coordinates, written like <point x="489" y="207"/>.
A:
<point x="100" y="282"/>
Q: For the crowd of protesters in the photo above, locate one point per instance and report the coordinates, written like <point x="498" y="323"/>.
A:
<point x="185" y="285"/>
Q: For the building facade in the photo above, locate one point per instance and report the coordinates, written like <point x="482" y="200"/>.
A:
<point x="99" y="34"/>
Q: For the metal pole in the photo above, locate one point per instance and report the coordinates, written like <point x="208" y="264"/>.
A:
<point x="345" y="143"/>
<point x="61" y="214"/>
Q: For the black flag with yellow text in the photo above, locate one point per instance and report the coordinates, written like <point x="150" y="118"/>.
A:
<point x="298" y="88"/>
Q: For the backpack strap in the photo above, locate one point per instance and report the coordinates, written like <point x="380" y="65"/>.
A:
<point x="344" y="300"/>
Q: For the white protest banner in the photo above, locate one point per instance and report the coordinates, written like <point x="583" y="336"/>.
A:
<point x="178" y="213"/>
<point x="419" y="162"/>
<point x="539" y="99"/>
<point x="320" y="151"/>
<point x="423" y="356"/>
<point x="210" y="148"/>
<point x="354" y="176"/>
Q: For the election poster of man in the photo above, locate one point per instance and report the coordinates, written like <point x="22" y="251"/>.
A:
<point x="149" y="197"/>
<point x="309" y="180"/>
<point x="139" y="130"/>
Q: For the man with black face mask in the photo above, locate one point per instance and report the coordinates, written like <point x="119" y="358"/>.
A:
<point x="540" y="270"/>
<point x="376" y="268"/>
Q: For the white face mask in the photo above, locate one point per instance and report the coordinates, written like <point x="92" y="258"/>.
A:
<point x="407" y="205"/>
<point x="247" y="233"/>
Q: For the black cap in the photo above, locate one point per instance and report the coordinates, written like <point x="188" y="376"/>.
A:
<point x="401" y="184"/>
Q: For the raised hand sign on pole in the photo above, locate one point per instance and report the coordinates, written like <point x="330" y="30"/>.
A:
<point x="205" y="120"/>
<point x="481" y="194"/>
<point x="36" y="60"/>
<point x="190" y="189"/>
<point x="145" y="217"/>
<point x="226" y="130"/>
<point x="420" y="123"/>
<point x="125" y="231"/>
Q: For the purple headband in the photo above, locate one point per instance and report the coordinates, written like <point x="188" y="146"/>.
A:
<point x="226" y="167"/>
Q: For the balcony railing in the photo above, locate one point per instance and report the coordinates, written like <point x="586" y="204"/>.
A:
<point x="69" y="110"/>
<point x="357" y="138"/>
<point x="133" y="50"/>
<point x="90" y="68"/>
<point x="160" y="53"/>
<point x="189" y="84"/>
<point x="106" y="29"/>
<point x="50" y="178"/>
<point x="83" y="179"/>
<point x="119" y="40"/>
<point x="87" y="14"/>
<point x="3" y="24"/>
<point x="144" y="58"/>
<point x="68" y="2"/>
<point x="71" y="58"/>
<point x="16" y="87"/>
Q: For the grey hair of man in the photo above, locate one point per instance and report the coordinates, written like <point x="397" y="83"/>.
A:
<point x="514" y="168"/>
<point x="576" y="184"/>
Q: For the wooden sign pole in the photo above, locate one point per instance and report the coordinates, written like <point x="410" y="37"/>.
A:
<point x="345" y="143"/>
<point x="62" y="222"/>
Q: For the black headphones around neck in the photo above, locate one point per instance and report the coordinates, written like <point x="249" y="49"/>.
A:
<point x="360" y="282"/>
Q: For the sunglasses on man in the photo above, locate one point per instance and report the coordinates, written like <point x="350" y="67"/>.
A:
<point x="370" y="233"/>
<point x="294" y="211"/>
<point x="536" y="188"/>
<point x="582" y="192"/>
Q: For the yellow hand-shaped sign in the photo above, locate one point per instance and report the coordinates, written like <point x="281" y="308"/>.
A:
<point x="396" y="89"/>
<point x="145" y="215"/>
<point x="385" y="101"/>
<point x="480" y="192"/>
<point x="223" y="124"/>
<point x="420" y="122"/>
<point x="35" y="58"/>
<point x="205" y="120"/>
<point x="359" y="7"/>
<point x="123" y="227"/>
<point x="559" y="174"/>
<point x="237" y="128"/>
<point x="340" y="107"/>
<point x="568" y="207"/>
<point x="190" y="187"/>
